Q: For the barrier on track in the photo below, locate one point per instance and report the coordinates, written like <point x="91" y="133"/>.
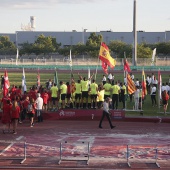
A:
<point x="81" y="151"/>
<point x="12" y="143"/>
<point x="74" y="153"/>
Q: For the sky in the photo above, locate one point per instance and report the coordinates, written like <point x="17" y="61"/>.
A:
<point x="93" y="15"/>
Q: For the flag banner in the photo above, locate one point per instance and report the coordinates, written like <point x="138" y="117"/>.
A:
<point x="144" y="89"/>
<point x="70" y="60"/>
<point x="89" y="75"/>
<point x="159" y="88"/>
<point x="153" y="57"/>
<point x="24" y="86"/>
<point x="131" y="85"/>
<point x="38" y="78"/>
<point x="105" y="67"/>
<point x="56" y="78"/>
<point x="6" y="84"/>
<point x="126" y="65"/>
<point x="104" y="56"/>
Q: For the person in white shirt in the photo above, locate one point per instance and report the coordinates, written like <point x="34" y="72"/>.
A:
<point x="104" y="80"/>
<point x="137" y="82"/>
<point x="106" y="113"/>
<point x="110" y="78"/>
<point x="132" y="76"/>
<point x="167" y="88"/>
<point x="155" y="82"/>
<point x="39" y="106"/>
<point x="163" y="87"/>
<point x="153" y="95"/>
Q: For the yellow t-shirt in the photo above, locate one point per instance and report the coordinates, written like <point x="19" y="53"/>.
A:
<point x="84" y="85"/>
<point x="107" y="88"/>
<point x="78" y="88"/>
<point x="63" y="89"/>
<point x="101" y="95"/>
<point x="115" y="89"/>
<point x="124" y="88"/>
<point x="54" y="90"/>
<point x="93" y="88"/>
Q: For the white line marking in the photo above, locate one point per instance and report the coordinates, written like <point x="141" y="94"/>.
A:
<point x="6" y="148"/>
<point x="9" y="146"/>
<point x="19" y="138"/>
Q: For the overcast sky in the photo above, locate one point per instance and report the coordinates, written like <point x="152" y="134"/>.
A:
<point x="94" y="15"/>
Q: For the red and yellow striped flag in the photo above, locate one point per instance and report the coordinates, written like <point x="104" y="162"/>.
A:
<point x="131" y="85"/>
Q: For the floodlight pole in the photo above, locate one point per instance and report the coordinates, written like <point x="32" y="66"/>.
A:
<point x="134" y="36"/>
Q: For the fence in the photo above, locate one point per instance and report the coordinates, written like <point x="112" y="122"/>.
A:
<point x="81" y="64"/>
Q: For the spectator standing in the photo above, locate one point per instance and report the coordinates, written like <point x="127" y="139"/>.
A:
<point x="6" y="116"/>
<point x="165" y="98"/>
<point x="153" y="95"/>
<point x="39" y="107"/>
<point x="15" y="114"/>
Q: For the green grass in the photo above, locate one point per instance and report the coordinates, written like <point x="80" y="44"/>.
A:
<point x="31" y="79"/>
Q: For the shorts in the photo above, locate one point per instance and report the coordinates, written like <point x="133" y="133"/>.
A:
<point x="94" y="96"/>
<point x="77" y="96"/>
<point x="31" y="115"/>
<point x="68" y="96"/>
<point x="63" y="96"/>
<point x="54" y="98"/>
<point x="84" y="94"/>
<point x="164" y="102"/>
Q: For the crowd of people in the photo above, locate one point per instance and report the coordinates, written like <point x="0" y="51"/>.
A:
<point x="83" y="93"/>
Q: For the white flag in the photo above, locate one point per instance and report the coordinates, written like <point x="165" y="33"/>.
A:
<point x="70" y="60"/>
<point x="24" y="87"/>
<point x="153" y="57"/>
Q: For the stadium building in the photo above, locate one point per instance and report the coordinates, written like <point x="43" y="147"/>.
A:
<point x="74" y="37"/>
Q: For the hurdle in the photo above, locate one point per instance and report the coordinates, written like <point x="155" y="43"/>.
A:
<point x="133" y="151"/>
<point x="64" y="158"/>
<point x="11" y="143"/>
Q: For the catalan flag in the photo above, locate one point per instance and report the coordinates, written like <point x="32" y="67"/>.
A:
<point x="144" y="90"/>
<point x="105" y="57"/>
<point x="131" y="85"/>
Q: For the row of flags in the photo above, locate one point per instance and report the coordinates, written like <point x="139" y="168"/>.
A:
<point x="106" y="59"/>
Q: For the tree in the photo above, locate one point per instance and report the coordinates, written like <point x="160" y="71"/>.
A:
<point x="143" y="52"/>
<point x="6" y="46"/>
<point x="119" y="47"/>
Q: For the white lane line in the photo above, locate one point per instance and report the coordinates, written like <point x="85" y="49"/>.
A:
<point x="9" y="146"/>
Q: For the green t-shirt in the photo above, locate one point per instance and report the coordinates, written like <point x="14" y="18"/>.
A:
<point x="84" y="85"/>
<point x="93" y="88"/>
<point x="107" y="87"/>
<point x="78" y="88"/>
<point x="63" y="89"/>
<point x="54" y="90"/>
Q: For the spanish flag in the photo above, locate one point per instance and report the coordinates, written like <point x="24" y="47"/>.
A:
<point x="131" y="85"/>
<point x="105" y="57"/>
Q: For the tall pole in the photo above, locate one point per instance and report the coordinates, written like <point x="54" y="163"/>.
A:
<point x="16" y="43"/>
<point x="134" y="36"/>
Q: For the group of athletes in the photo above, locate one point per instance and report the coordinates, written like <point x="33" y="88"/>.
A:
<point x="83" y="93"/>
